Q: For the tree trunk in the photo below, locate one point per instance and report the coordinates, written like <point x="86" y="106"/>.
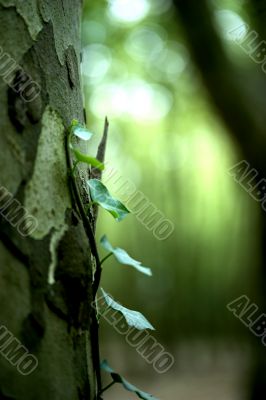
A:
<point x="45" y="257"/>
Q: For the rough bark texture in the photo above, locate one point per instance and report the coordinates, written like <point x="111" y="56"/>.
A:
<point x="51" y="320"/>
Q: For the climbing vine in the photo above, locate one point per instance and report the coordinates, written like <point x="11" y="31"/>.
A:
<point x="99" y="195"/>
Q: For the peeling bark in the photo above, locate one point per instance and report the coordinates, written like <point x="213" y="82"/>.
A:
<point x="45" y="277"/>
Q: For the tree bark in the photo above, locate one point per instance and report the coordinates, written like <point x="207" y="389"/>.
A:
<point x="45" y="274"/>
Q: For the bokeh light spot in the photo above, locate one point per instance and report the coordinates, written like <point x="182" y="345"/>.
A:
<point x="96" y="62"/>
<point x="170" y="62"/>
<point x="227" y="22"/>
<point x="144" y="43"/>
<point x="134" y="98"/>
<point x="128" y="10"/>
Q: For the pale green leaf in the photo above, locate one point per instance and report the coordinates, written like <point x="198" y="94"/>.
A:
<point x="133" y="318"/>
<point x="80" y="131"/>
<point x="100" y="195"/>
<point x="123" y="257"/>
<point x="128" y="386"/>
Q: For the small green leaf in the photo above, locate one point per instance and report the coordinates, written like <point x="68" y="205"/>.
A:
<point x="100" y="195"/>
<point x="81" y="157"/>
<point x="128" y="386"/>
<point x="133" y="318"/>
<point x="123" y="257"/>
<point x="80" y="131"/>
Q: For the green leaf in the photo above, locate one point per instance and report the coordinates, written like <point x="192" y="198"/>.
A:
<point x="80" y="131"/>
<point x="87" y="159"/>
<point x="100" y="195"/>
<point x="128" y="386"/>
<point x="133" y="318"/>
<point x="123" y="257"/>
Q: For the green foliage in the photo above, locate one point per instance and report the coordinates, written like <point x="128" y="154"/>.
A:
<point x="80" y="131"/>
<point x="123" y="257"/>
<point x="128" y="386"/>
<point x="81" y="157"/>
<point x="100" y="195"/>
<point x="133" y="318"/>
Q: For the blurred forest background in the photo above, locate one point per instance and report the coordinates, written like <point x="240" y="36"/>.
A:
<point x="167" y="138"/>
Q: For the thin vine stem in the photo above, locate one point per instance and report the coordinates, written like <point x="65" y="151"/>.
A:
<point x="88" y="206"/>
<point x="106" y="257"/>
<point x="97" y="275"/>
<point x="107" y="387"/>
<point x="74" y="167"/>
<point x="86" y="221"/>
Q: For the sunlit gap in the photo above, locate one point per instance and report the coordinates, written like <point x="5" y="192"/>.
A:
<point x="128" y="10"/>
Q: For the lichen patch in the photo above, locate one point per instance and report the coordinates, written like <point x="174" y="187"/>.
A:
<point x="47" y="195"/>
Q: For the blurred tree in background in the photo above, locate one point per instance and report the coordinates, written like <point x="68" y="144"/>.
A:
<point x="166" y="138"/>
<point x="185" y="104"/>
